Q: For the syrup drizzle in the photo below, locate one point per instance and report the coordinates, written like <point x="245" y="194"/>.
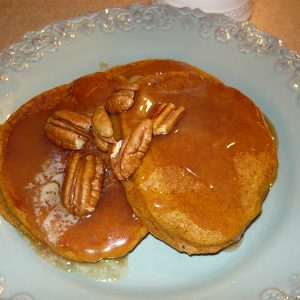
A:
<point x="193" y="169"/>
<point x="106" y="270"/>
<point x="34" y="170"/>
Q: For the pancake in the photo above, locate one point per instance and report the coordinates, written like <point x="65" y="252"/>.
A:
<point x="32" y="171"/>
<point x="200" y="186"/>
<point x="142" y="68"/>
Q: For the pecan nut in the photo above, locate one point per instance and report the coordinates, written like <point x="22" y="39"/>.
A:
<point x="122" y="99"/>
<point x="102" y="129"/>
<point x="82" y="185"/>
<point x="68" y="129"/>
<point x="127" y="155"/>
<point x="166" y="117"/>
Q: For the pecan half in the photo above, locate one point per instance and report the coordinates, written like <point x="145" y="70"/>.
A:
<point x="166" y="117"/>
<point x="68" y="129"/>
<point x="122" y="99"/>
<point x="83" y="183"/>
<point x="102" y="129"/>
<point x="127" y="155"/>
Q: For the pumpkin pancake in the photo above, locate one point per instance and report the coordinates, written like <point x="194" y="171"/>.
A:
<point x="32" y="171"/>
<point x="139" y="69"/>
<point x="200" y="186"/>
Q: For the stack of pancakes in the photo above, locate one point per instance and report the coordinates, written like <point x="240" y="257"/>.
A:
<point x="198" y="188"/>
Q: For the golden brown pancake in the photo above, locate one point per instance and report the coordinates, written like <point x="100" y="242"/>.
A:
<point x="156" y="66"/>
<point x="200" y="186"/>
<point x="32" y="171"/>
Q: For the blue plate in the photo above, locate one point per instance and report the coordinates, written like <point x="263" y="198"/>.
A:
<point x="265" y="265"/>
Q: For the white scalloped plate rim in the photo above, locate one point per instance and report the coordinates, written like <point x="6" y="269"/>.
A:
<point x="242" y="56"/>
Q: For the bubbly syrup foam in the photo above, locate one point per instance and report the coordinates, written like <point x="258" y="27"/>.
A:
<point x="46" y="186"/>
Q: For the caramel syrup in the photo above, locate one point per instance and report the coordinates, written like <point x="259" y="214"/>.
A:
<point x="272" y="130"/>
<point x="104" y="270"/>
<point x="34" y="171"/>
<point x="193" y="169"/>
<point x="199" y="151"/>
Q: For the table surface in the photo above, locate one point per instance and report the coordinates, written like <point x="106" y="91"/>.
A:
<point x="278" y="17"/>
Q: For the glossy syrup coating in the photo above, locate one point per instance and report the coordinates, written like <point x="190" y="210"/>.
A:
<point x="201" y="185"/>
<point x="198" y="188"/>
<point x="32" y="172"/>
